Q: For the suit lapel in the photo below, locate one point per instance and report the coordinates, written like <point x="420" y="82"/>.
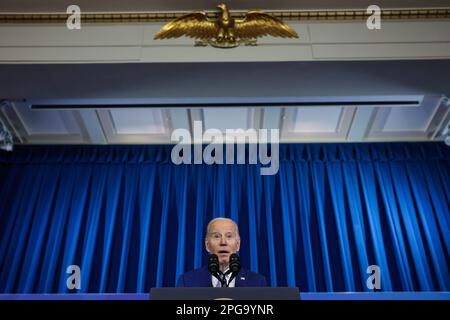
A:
<point x="205" y="278"/>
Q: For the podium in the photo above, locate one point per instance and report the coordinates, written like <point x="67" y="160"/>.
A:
<point x="239" y="293"/>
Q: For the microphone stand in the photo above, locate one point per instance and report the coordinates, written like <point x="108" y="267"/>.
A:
<point x="233" y="275"/>
<point x="234" y="268"/>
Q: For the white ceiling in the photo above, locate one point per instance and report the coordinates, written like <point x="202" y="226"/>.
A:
<point x="296" y="124"/>
<point x="137" y="121"/>
<point x="79" y="100"/>
<point x="313" y="119"/>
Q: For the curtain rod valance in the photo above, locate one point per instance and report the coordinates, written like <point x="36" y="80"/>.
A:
<point x="288" y="152"/>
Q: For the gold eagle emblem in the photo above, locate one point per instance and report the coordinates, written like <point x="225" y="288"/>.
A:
<point x="225" y="31"/>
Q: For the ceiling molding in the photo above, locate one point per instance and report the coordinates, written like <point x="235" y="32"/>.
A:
<point x="292" y="15"/>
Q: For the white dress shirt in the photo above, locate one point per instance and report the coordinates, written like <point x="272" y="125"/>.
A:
<point x="216" y="283"/>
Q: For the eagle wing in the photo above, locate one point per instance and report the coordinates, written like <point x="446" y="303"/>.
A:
<point x="195" y="25"/>
<point x="258" y="24"/>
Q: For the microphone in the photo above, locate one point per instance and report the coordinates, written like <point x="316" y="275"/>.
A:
<point x="213" y="264"/>
<point x="235" y="266"/>
<point x="235" y="263"/>
<point x="214" y="268"/>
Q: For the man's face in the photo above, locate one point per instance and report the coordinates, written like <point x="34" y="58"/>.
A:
<point x="222" y="240"/>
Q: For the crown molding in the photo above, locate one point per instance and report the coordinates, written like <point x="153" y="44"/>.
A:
<point x="294" y="15"/>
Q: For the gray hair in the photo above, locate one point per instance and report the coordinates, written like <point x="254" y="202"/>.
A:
<point x="222" y="219"/>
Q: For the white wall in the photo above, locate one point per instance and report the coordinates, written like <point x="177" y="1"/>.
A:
<point x="319" y="40"/>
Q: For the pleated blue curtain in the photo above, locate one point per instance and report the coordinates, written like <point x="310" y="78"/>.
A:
<point x="132" y="220"/>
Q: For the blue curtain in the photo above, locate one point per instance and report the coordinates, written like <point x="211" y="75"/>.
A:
<point x="132" y="220"/>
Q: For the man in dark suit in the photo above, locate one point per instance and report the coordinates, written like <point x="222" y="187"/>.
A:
<point x="222" y="239"/>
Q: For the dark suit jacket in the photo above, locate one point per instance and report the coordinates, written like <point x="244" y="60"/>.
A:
<point x="202" y="278"/>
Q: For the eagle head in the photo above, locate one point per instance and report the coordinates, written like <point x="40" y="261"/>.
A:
<point x="222" y="7"/>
